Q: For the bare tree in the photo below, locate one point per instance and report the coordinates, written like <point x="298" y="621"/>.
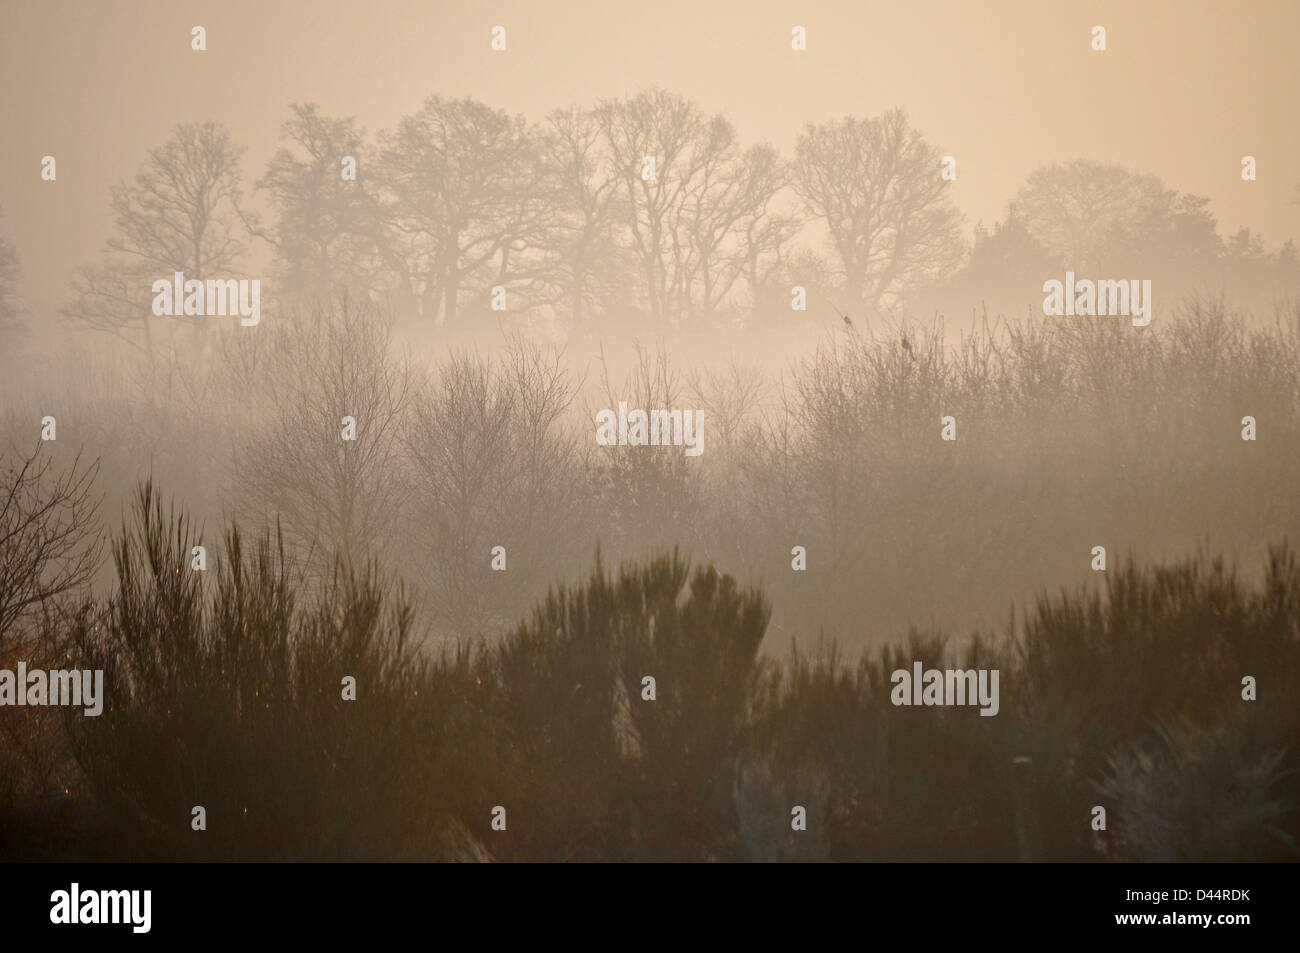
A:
<point x="648" y="494"/>
<point x="50" y="547"/>
<point x="876" y="186"/>
<point x="733" y="230"/>
<point x="461" y="207"/>
<point x="664" y="127"/>
<point x="544" y="500"/>
<point x="703" y="218"/>
<point x="491" y="466"/>
<point x="729" y="396"/>
<point x="1072" y="210"/>
<point x="342" y="497"/>
<point x="585" y="241"/>
<point x="459" y="445"/>
<point x="766" y="232"/>
<point x="326" y="229"/>
<point x="13" y="325"/>
<point x="49" y="536"/>
<point x="179" y="216"/>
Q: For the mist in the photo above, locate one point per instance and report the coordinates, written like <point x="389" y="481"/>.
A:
<point x="379" y="344"/>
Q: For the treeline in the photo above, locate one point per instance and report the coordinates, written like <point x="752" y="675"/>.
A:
<point x="639" y="212"/>
<point x="228" y="690"/>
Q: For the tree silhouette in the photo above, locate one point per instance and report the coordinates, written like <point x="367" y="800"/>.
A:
<point x="585" y="240"/>
<point x="704" y="219"/>
<point x="336" y="497"/>
<point x="181" y="214"/>
<point x="13" y="324"/>
<point x="49" y="541"/>
<point x="460" y="204"/>
<point x="326" y="228"/>
<point x="875" y="185"/>
<point x="1090" y="215"/>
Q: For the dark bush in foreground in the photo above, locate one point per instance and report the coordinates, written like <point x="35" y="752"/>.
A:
<point x="225" y="689"/>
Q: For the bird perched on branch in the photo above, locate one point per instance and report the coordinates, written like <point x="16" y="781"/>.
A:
<point x="843" y="316"/>
<point x="907" y="346"/>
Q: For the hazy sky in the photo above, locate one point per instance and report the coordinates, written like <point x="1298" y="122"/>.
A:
<point x="1184" y="90"/>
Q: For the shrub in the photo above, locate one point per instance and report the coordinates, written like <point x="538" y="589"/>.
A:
<point x="224" y="689"/>
<point x="228" y="695"/>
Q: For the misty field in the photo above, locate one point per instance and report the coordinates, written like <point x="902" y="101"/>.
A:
<point x="310" y="466"/>
<point x="372" y="559"/>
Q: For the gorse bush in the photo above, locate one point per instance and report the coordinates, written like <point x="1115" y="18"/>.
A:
<point x="887" y="782"/>
<point x="1201" y="794"/>
<point x="225" y="689"/>
<point x="226" y="694"/>
<point x="597" y="769"/>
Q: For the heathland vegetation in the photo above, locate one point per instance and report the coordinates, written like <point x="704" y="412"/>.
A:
<point x="476" y="689"/>
<point x="374" y="573"/>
